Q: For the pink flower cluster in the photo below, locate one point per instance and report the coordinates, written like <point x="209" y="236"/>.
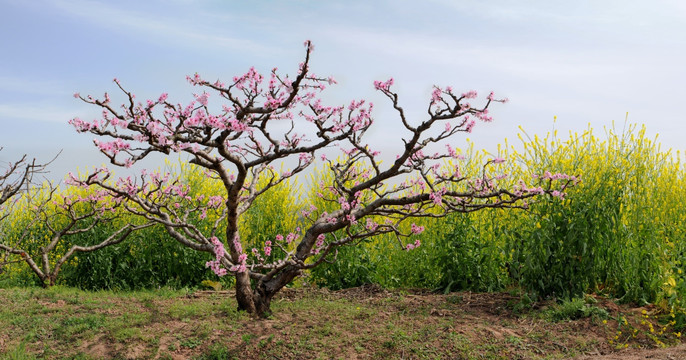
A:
<point x="472" y="94"/>
<point x="436" y="95"/>
<point x="319" y="245"/>
<point x="416" y="244"/>
<point x="383" y="85"/>
<point x="219" y="253"/>
<point x="437" y="197"/>
<point x="267" y="248"/>
<point x="112" y="147"/>
<point x="241" y="266"/>
<point x="371" y="225"/>
<point x="215" y="202"/>
<point x="289" y="238"/>
<point x="416" y="229"/>
<point x="83" y="126"/>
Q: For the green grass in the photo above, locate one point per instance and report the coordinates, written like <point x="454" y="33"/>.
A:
<point x="575" y="309"/>
<point x="314" y="324"/>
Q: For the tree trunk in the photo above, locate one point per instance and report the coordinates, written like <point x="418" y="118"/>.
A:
<point x="244" y="293"/>
<point x="258" y="301"/>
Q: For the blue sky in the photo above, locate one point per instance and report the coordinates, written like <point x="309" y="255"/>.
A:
<point x="586" y="62"/>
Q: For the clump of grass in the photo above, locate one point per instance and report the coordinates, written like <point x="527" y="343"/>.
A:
<point x="575" y="309"/>
<point x="19" y="353"/>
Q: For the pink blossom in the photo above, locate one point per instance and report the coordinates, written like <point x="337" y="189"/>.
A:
<point x="219" y="253"/>
<point x="413" y="246"/>
<point x="320" y="240"/>
<point x="437" y="197"/>
<point x="436" y="95"/>
<point x="383" y="86"/>
<point x="344" y="204"/>
<point x="371" y="225"/>
<point x="305" y="157"/>
<point x="470" y="126"/>
<point x="417" y="229"/>
<point x="202" y="98"/>
<point x="470" y="94"/>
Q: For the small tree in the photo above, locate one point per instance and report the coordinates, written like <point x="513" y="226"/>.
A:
<point x="53" y="219"/>
<point x="62" y="215"/>
<point x="262" y="124"/>
<point x="16" y="178"/>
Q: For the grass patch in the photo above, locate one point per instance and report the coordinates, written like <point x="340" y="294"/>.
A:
<point x="310" y="324"/>
<point x="575" y="309"/>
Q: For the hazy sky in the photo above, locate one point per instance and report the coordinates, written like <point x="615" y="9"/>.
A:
<point x="582" y="61"/>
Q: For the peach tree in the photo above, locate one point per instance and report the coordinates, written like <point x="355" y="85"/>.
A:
<point x="15" y="179"/>
<point x="263" y="125"/>
<point x="39" y="221"/>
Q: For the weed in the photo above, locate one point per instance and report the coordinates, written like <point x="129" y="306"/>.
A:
<point x="575" y="309"/>
<point x="265" y="342"/>
<point x="190" y="343"/>
<point x="19" y="353"/>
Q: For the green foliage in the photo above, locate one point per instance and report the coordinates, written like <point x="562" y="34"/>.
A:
<point x="617" y="232"/>
<point x="149" y="259"/>
<point x="465" y="261"/>
<point x="574" y="309"/>
<point x="353" y="266"/>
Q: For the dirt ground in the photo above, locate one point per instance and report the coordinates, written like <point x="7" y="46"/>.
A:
<point x="308" y="323"/>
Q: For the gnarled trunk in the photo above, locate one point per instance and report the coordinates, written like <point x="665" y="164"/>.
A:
<point x="258" y="300"/>
<point x="244" y="293"/>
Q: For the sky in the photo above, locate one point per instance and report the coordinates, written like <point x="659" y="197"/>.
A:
<point x="586" y="62"/>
